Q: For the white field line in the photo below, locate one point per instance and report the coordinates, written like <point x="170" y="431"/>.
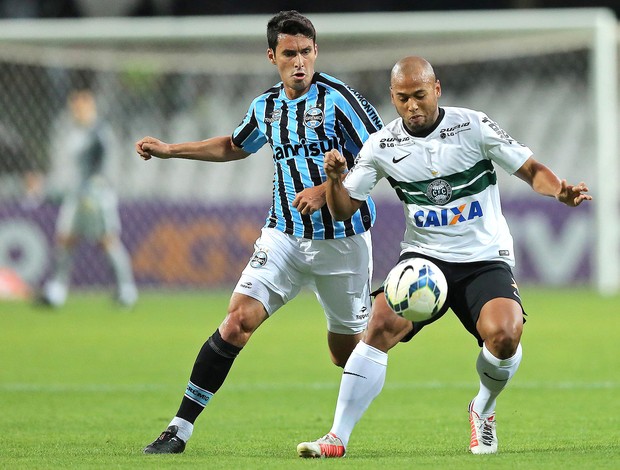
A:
<point x="269" y="386"/>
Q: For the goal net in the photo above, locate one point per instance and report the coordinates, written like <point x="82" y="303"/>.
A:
<point x="547" y="77"/>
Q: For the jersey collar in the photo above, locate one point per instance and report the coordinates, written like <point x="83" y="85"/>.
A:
<point x="428" y="131"/>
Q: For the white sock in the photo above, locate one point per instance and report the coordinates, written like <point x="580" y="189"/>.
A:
<point x="121" y="264"/>
<point x="57" y="288"/>
<point x="362" y="380"/>
<point x="494" y="376"/>
<point x="185" y="428"/>
<point x="55" y="292"/>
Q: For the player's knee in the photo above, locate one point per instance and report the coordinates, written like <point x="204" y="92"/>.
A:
<point x="240" y="322"/>
<point x="66" y="241"/>
<point x="339" y="361"/>
<point x="341" y="351"/>
<point x="500" y="326"/>
<point x="503" y="342"/>
<point x="108" y="242"/>
<point x="378" y="323"/>
<point x="385" y="329"/>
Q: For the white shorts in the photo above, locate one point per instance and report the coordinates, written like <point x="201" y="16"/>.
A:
<point x="91" y="213"/>
<point x="338" y="271"/>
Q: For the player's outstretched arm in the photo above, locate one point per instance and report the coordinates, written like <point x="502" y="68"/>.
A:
<point x="215" y="149"/>
<point x="340" y="204"/>
<point x="545" y="182"/>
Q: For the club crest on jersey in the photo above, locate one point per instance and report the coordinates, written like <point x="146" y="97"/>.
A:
<point x="259" y="259"/>
<point x="313" y="118"/>
<point x="439" y="192"/>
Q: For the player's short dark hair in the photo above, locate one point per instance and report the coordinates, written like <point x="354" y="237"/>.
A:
<point x="289" y="22"/>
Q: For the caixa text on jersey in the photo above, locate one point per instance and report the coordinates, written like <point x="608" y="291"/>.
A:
<point x="448" y="216"/>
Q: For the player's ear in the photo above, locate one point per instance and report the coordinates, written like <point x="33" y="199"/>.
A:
<point x="437" y="89"/>
<point x="271" y="55"/>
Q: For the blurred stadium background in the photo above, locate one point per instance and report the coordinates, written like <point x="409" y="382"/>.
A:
<point x="172" y="70"/>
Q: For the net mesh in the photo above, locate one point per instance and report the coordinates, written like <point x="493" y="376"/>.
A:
<point x="536" y="86"/>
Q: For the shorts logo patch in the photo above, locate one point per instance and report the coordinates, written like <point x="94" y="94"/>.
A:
<point x="313" y="118"/>
<point x="363" y="315"/>
<point x="504" y="252"/>
<point x="259" y="259"/>
<point x="516" y="289"/>
<point x="439" y="192"/>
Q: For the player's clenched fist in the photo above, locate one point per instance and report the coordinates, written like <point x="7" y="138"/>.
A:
<point x="334" y="164"/>
<point x="148" y="147"/>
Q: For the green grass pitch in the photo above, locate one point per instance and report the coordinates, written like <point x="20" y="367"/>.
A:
<point x="88" y="385"/>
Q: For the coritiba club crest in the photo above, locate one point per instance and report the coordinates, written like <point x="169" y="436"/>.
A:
<point x="439" y="192"/>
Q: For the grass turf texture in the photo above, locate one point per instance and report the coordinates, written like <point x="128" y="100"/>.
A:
<point x="88" y="385"/>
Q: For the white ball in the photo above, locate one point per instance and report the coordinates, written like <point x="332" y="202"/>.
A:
<point x="416" y="289"/>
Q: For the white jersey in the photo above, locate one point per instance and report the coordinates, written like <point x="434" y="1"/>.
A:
<point x="447" y="183"/>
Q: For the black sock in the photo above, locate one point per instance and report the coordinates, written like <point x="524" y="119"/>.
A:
<point x="212" y="365"/>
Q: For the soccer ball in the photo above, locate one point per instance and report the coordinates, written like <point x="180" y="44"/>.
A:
<point x="416" y="289"/>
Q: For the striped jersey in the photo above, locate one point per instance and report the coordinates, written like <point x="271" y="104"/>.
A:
<point x="446" y="182"/>
<point x="330" y="115"/>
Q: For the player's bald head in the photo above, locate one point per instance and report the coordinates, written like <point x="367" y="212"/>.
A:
<point x="412" y="67"/>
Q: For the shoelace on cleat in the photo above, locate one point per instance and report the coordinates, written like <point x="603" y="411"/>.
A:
<point x="487" y="432"/>
<point x="166" y="435"/>
<point x="485" y="428"/>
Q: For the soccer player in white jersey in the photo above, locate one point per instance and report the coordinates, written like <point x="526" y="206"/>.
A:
<point x="301" y="118"/>
<point x="440" y="162"/>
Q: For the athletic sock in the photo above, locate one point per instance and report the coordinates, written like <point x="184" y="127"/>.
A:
<point x="121" y="265"/>
<point x="362" y="380"/>
<point x="57" y="288"/>
<point x="494" y="376"/>
<point x="212" y="365"/>
<point x="62" y="264"/>
<point x="185" y="428"/>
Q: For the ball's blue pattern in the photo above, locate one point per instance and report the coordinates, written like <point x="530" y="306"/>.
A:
<point x="425" y="279"/>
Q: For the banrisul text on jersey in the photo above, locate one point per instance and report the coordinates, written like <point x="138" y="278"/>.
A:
<point x="330" y="115"/>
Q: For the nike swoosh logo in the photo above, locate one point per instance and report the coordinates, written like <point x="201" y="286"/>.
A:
<point x="396" y="160"/>
<point x="351" y="373"/>
<point x="493" y="378"/>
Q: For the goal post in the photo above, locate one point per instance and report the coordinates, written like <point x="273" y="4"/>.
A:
<point x="549" y="77"/>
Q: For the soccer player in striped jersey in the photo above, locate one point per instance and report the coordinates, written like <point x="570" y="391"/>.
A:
<point x="301" y="118"/>
<point x="440" y="162"/>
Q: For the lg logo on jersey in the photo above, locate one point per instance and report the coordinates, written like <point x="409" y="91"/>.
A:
<point x="454" y="130"/>
<point x="394" y="142"/>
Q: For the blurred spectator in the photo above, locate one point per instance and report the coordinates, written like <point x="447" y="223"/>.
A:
<point x="90" y="207"/>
